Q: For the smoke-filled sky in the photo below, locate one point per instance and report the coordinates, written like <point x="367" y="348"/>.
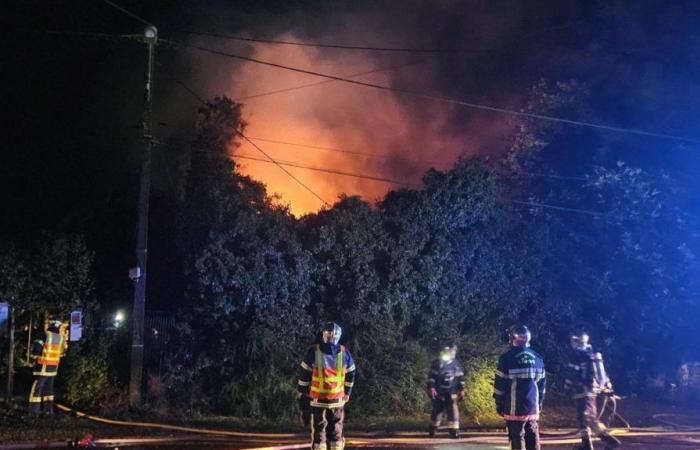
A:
<point x="399" y="137"/>
<point x="71" y="139"/>
<point x="79" y="97"/>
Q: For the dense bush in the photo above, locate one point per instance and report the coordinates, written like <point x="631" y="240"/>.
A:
<point x="454" y="260"/>
<point x="469" y="253"/>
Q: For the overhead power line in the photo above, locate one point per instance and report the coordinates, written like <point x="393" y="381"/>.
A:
<point x="327" y="170"/>
<point x="565" y="208"/>
<point x="333" y="46"/>
<point x="281" y="166"/>
<point x="340" y="150"/>
<point x="128" y="13"/>
<point x="203" y="102"/>
<point x="308" y="85"/>
<point x="443" y="99"/>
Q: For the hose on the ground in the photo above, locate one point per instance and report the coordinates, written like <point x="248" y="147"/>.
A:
<point x="663" y="418"/>
<point x="266" y="438"/>
<point x="163" y="426"/>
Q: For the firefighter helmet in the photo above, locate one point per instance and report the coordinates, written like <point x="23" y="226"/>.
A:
<point x="519" y="336"/>
<point x="448" y="352"/>
<point x="579" y="339"/>
<point x="331" y="333"/>
<point x="53" y="324"/>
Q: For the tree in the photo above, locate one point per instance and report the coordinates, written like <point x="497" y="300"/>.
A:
<point x="244" y="315"/>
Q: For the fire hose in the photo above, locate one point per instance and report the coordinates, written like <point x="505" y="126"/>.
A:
<point x="162" y="426"/>
<point x="268" y="438"/>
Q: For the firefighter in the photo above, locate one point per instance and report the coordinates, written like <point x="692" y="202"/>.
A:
<point x="326" y="378"/>
<point x="519" y="389"/>
<point x="586" y="378"/>
<point x="46" y="356"/>
<point x="445" y="389"/>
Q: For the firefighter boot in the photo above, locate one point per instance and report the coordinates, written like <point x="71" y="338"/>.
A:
<point x="454" y="434"/>
<point x="35" y="409"/>
<point x="610" y="441"/>
<point x="586" y="444"/>
<point x="431" y="431"/>
<point x="48" y="407"/>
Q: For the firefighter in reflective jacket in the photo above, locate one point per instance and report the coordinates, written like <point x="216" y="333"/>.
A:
<point x="46" y="356"/>
<point x="446" y="389"/>
<point x="519" y="389"/>
<point x="326" y="378"/>
<point x="586" y="378"/>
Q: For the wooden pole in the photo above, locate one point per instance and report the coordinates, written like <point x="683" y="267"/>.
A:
<point x="10" y="356"/>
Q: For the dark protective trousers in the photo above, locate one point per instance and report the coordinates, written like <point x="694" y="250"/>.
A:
<point x="587" y="416"/>
<point x="442" y="405"/>
<point x="523" y="434"/>
<point x="41" y="394"/>
<point x="327" y="428"/>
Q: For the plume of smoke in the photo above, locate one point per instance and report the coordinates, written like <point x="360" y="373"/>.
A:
<point x="405" y="136"/>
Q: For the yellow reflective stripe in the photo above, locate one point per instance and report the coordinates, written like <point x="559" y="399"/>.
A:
<point x="32" y="396"/>
<point x="306" y="366"/>
<point x="335" y="390"/>
<point x="303" y="383"/>
<point x="323" y="380"/>
<point x="333" y="379"/>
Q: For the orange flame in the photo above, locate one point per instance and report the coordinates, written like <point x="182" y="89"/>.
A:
<point x="405" y="136"/>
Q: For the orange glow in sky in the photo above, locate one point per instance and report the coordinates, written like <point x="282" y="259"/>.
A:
<point x="407" y="135"/>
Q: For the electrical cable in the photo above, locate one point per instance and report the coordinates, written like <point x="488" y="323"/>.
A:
<point x="105" y="36"/>
<point x="291" y="175"/>
<point x="565" y="208"/>
<point x="325" y="203"/>
<point x="517" y="202"/>
<point x="437" y="164"/>
<point x="280" y="165"/>
<point x="326" y="170"/>
<point x="339" y="150"/>
<point x="308" y="85"/>
<point x="417" y="94"/>
<point x="332" y="46"/>
<point x="128" y="13"/>
<point x="190" y="91"/>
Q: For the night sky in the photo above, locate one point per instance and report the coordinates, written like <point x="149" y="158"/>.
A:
<point x="72" y="104"/>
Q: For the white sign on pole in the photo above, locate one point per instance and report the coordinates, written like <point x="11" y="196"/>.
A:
<point x="76" y="325"/>
<point x="4" y="318"/>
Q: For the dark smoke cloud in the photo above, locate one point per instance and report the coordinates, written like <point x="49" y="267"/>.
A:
<point x="411" y="134"/>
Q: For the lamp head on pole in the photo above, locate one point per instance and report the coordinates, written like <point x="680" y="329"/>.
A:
<point x="150" y="34"/>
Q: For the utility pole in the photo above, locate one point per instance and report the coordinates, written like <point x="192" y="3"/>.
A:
<point x="10" y="355"/>
<point x="138" y="274"/>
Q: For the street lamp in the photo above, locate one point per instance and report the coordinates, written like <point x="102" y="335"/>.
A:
<point x="118" y="319"/>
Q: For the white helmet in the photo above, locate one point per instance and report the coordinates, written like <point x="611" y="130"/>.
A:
<point x="579" y="339"/>
<point x="331" y="333"/>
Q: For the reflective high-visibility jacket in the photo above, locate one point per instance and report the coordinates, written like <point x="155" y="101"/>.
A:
<point x="48" y="353"/>
<point x="520" y="384"/>
<point x="327" y="375"/>
<point x="446" y="377"/>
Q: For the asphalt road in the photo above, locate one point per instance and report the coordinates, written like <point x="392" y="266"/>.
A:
<point x="641" y="439"/>
<point x="689" y="441"/>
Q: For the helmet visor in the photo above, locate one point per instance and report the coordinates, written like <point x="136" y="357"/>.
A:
<point x="331" y="334"/>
